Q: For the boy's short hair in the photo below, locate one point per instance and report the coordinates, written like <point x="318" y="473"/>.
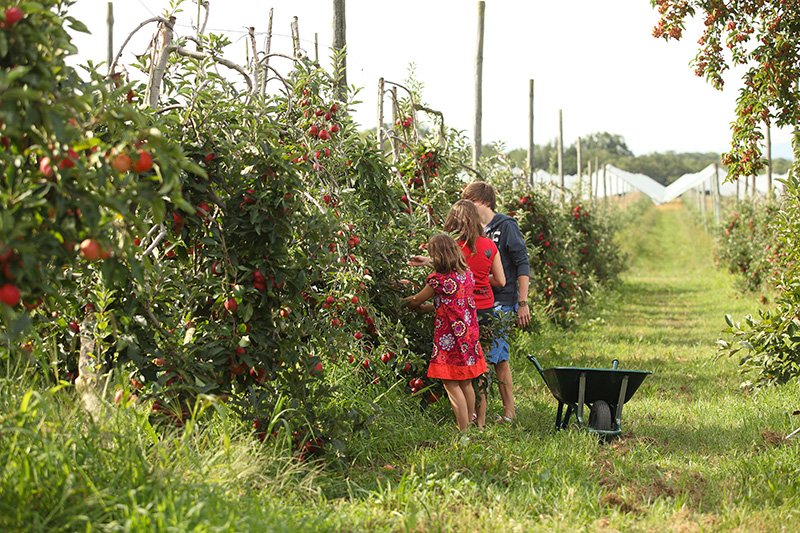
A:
<point x="480" y="191"/>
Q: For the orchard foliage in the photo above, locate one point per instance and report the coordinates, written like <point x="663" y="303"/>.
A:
<point x="768" y="343"/>
<point x="747" y="246"/>
<point x="231" y="245"/>
<point x="571" y="252"/>
<point x="762" y="36"/>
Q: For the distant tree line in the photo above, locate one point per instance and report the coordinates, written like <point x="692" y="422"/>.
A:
<point x="610" y="148"/>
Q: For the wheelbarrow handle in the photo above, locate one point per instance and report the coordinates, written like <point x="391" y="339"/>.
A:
<point x="532" y="359"/>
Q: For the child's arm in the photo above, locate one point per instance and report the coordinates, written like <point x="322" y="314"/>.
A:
<point x="498" y="276"/>
<point x="415" y="301"/>
<point x="420" y="260"/>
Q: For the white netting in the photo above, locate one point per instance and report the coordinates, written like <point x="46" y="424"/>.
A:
<point x="618" y="182"/>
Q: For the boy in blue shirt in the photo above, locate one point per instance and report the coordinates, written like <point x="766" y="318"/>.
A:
<point x="505" y="233"/>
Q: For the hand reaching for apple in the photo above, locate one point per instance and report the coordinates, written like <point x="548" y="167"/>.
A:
<point x="420" y="260"/>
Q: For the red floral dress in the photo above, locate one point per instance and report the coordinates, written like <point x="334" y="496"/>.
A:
<point x="457" y="352"/>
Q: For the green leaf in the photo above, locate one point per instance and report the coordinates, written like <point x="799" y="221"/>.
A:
<point x="159" y="209"/>
<point x="77" y="25"/>
<point x="247" y="313"/>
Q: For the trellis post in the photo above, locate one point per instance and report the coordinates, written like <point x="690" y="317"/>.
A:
<point x="340" y="48"/>
<point x="717" y="195"/>
<point x="768" y="141"/>
<point x="560" y="155"/>
<point x="380" y="115"/>
<point x="476" y="126"/>
<point x="110" y="24"/>
<point x="605" y="186"/>
<point x="580" y="178"/>
<point x="267" y="46"/>
<point x="530" y="132"/>
<point x="295" y="37"/>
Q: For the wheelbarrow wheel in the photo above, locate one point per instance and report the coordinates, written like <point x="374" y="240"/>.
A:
<point x="600" y="416"/>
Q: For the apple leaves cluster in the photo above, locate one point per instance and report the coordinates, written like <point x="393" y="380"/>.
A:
<point x="571" y="252"/>
<point x="761" y="36"/>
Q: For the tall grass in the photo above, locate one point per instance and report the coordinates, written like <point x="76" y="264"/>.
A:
<point x="698" y="452"/>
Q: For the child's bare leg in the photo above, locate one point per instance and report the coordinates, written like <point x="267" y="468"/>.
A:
<point x="506" y="386"/>
<point x="480" y="411"/>
<point x="458" y="402"/>
<point x="469" y="396"/>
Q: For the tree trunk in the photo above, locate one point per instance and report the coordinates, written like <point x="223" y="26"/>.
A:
<point x="87" y="384"/>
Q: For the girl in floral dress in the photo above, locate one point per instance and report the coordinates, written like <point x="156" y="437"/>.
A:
<point x="457" y="355"/>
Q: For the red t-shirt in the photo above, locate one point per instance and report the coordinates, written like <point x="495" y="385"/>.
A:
<point x="480" y="263"/>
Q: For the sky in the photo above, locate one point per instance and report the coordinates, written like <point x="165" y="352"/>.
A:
<point x="595" y="62"/>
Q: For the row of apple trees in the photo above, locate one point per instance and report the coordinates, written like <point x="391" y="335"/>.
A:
<point x="757" y="242"/>
<point x="251" y="248"/>
<point x="225" y="244"/>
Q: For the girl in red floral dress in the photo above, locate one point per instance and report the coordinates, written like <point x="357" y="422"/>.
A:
<point x="457" y="355"/>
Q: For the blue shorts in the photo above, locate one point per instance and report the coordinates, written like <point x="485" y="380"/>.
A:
<point x="500" y="349"/>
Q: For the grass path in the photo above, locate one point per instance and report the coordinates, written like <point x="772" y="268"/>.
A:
<point x="697" y="452"/>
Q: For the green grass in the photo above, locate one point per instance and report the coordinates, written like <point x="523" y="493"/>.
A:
<point x="698" y="453"/>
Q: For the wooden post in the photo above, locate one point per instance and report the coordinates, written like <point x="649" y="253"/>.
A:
<point x="267" y="47"/>
<point x="316" y="47"/>
<point x="395" y="110"/>
<point x="592" y="195"/>
<point x="580" y="178"/>
<point x="295" y="37"/>
<point x="256" y="71"/>
<point x="768" y="140"/>
<point x="110" y="23"/>
<point x="340" y="48"/>
<point x="605" y="186"/>
<point x="560" y="154"/>
<point x="530" y="131"/>
<point x="380" y="115"/>
<point x="476" y="125"/>
<point x="718" y="195"/>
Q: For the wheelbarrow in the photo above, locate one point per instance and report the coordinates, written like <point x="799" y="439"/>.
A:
<point x="605" y="390"/>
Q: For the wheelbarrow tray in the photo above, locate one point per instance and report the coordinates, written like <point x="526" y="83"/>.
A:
<point x="601" y="383"/>
<point x="605" y="390"/>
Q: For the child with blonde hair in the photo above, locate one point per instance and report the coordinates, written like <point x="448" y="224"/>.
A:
<point x="457" y="355"/>
<point x="483" y="259"/>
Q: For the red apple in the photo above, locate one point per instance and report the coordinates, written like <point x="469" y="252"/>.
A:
<point x="45" y="167"/>
<point x="231" y="305"/>
<point x="122" y="163"/>
<point x="13" y="15"/>
<point x="9" y="294"/>
<point x="91" y="250"/>
<point x="144" y="163"/>
<point x="74" y="326"/>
